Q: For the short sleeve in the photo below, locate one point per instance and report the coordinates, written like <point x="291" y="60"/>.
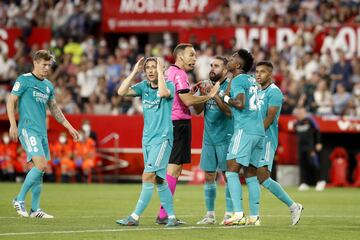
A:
<point x="276" y="98"/>
<point x="138" y="88"/>
<point x="19" y="87"/>
<point x="52" y="93"/>
<point x="171" y="88"/>
<point x="237" y="87"/>
<point x="181" y="82"/>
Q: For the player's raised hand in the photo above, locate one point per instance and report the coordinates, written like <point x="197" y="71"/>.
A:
<point x="159" y="65"/>
<point x="13" y="133"/>
<point x="139" y="66"/>
<point x="214" y="90"/>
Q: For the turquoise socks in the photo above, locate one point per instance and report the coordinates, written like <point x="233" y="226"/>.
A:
<point x="210" y="195"/>
<point x="36" y="191"/>
<point x="166" y="198"/>
<point x="278" y="191"/>
<point x="228" y="201"/>
<point x="33" y="176"/>
<point x="235" y="190"/>
<point x="254" y="195"/>
<point x="145" y="197"/>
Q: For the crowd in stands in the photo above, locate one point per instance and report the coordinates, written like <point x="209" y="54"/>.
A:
<point x="89" y="69"/>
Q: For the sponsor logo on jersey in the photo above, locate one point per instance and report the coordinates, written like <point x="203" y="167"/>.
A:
<point x="16" y="87"/>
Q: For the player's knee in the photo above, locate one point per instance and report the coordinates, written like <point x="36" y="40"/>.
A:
<point x="159" y="180"/>
<point x="174" y="170"/>
<point x="250" y="171"/>
<point x="149" y="177"/>
<point x="210" y="177"/>
<point x="41" y="166"/>
<point x="262" y="175"/>
<point x="232" y="166"/>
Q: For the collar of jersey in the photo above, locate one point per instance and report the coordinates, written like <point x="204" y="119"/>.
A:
<point x="37" y="77"/>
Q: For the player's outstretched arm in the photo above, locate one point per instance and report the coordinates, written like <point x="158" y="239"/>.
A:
<point x="124" y="89"/>
<point x="189" y="99"/>
<point x="164" y="92"/>
<point x="59" y="116"/>
<point x="10" y="107"/>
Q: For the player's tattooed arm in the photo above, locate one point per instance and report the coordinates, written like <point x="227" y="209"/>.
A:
<point x="59" y="116"/>
<point x="56" y="111"/>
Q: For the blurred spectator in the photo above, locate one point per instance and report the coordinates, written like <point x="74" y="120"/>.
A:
<point x="62" y="162"/>
<point x="291" y="98"/>
<point x="7" y="158"/>
<point x="85" y="154"/>
<point x="87" y="130"/>
<point x="341" y="72"/>
<point x="356" y="100"/>
<point x="323" y="99"/>
<point x="87" y="80"/>
<point x="341" y="100"/>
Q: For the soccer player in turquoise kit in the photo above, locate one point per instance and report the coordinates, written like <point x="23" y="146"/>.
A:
<point x="31" y="93"/>
<point x="247" y="141"/>
<point x="270" y="102"/>
<point x="157" y="100"/>
<point x="217" y="134"/>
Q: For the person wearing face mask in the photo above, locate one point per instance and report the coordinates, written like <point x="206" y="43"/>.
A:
<point x="7" y="157"/>
<point x="63" y="163"/>
<point x="84" y="154"/>
<point x="88" y="132"/>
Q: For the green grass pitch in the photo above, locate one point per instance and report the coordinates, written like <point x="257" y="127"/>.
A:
<point x="89" y="212"/>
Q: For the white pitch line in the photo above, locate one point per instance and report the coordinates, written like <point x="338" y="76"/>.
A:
<point x="126" y="229"/>
<point x="186" y="216"/>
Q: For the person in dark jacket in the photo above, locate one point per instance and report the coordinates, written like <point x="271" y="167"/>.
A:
<point x="309" y="149"/>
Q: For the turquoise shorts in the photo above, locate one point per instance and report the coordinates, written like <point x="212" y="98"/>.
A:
<point x="245" y="148"/>
<point x="34" y="144"/>
<point x="156" y="158"/>
<point x="213" y="157"/>
<point x="267" y="156"/>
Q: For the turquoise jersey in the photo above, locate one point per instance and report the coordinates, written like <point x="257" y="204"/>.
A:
<point x="218" y="127"/>
<point x="34" y="94"/>
<point x="271" y="97"/>
<point x="249" y="119"/>
<point x="157" y="113"/>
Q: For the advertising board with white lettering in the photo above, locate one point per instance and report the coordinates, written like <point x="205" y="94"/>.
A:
<point x="153" y="15"/>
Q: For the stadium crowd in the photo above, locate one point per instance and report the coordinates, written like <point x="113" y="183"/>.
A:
<point x="89" y="68"/>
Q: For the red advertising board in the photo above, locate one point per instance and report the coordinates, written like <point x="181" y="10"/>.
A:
<point x="347" y="37"/>
<point x="129" y="130"/>
<point x="152" y="15"/>
<point x="8" y="38"/>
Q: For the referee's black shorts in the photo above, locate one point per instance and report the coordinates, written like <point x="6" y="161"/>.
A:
<point x="181" y="151"/>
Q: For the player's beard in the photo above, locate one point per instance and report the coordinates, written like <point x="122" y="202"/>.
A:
<point x="214" y="77"/>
